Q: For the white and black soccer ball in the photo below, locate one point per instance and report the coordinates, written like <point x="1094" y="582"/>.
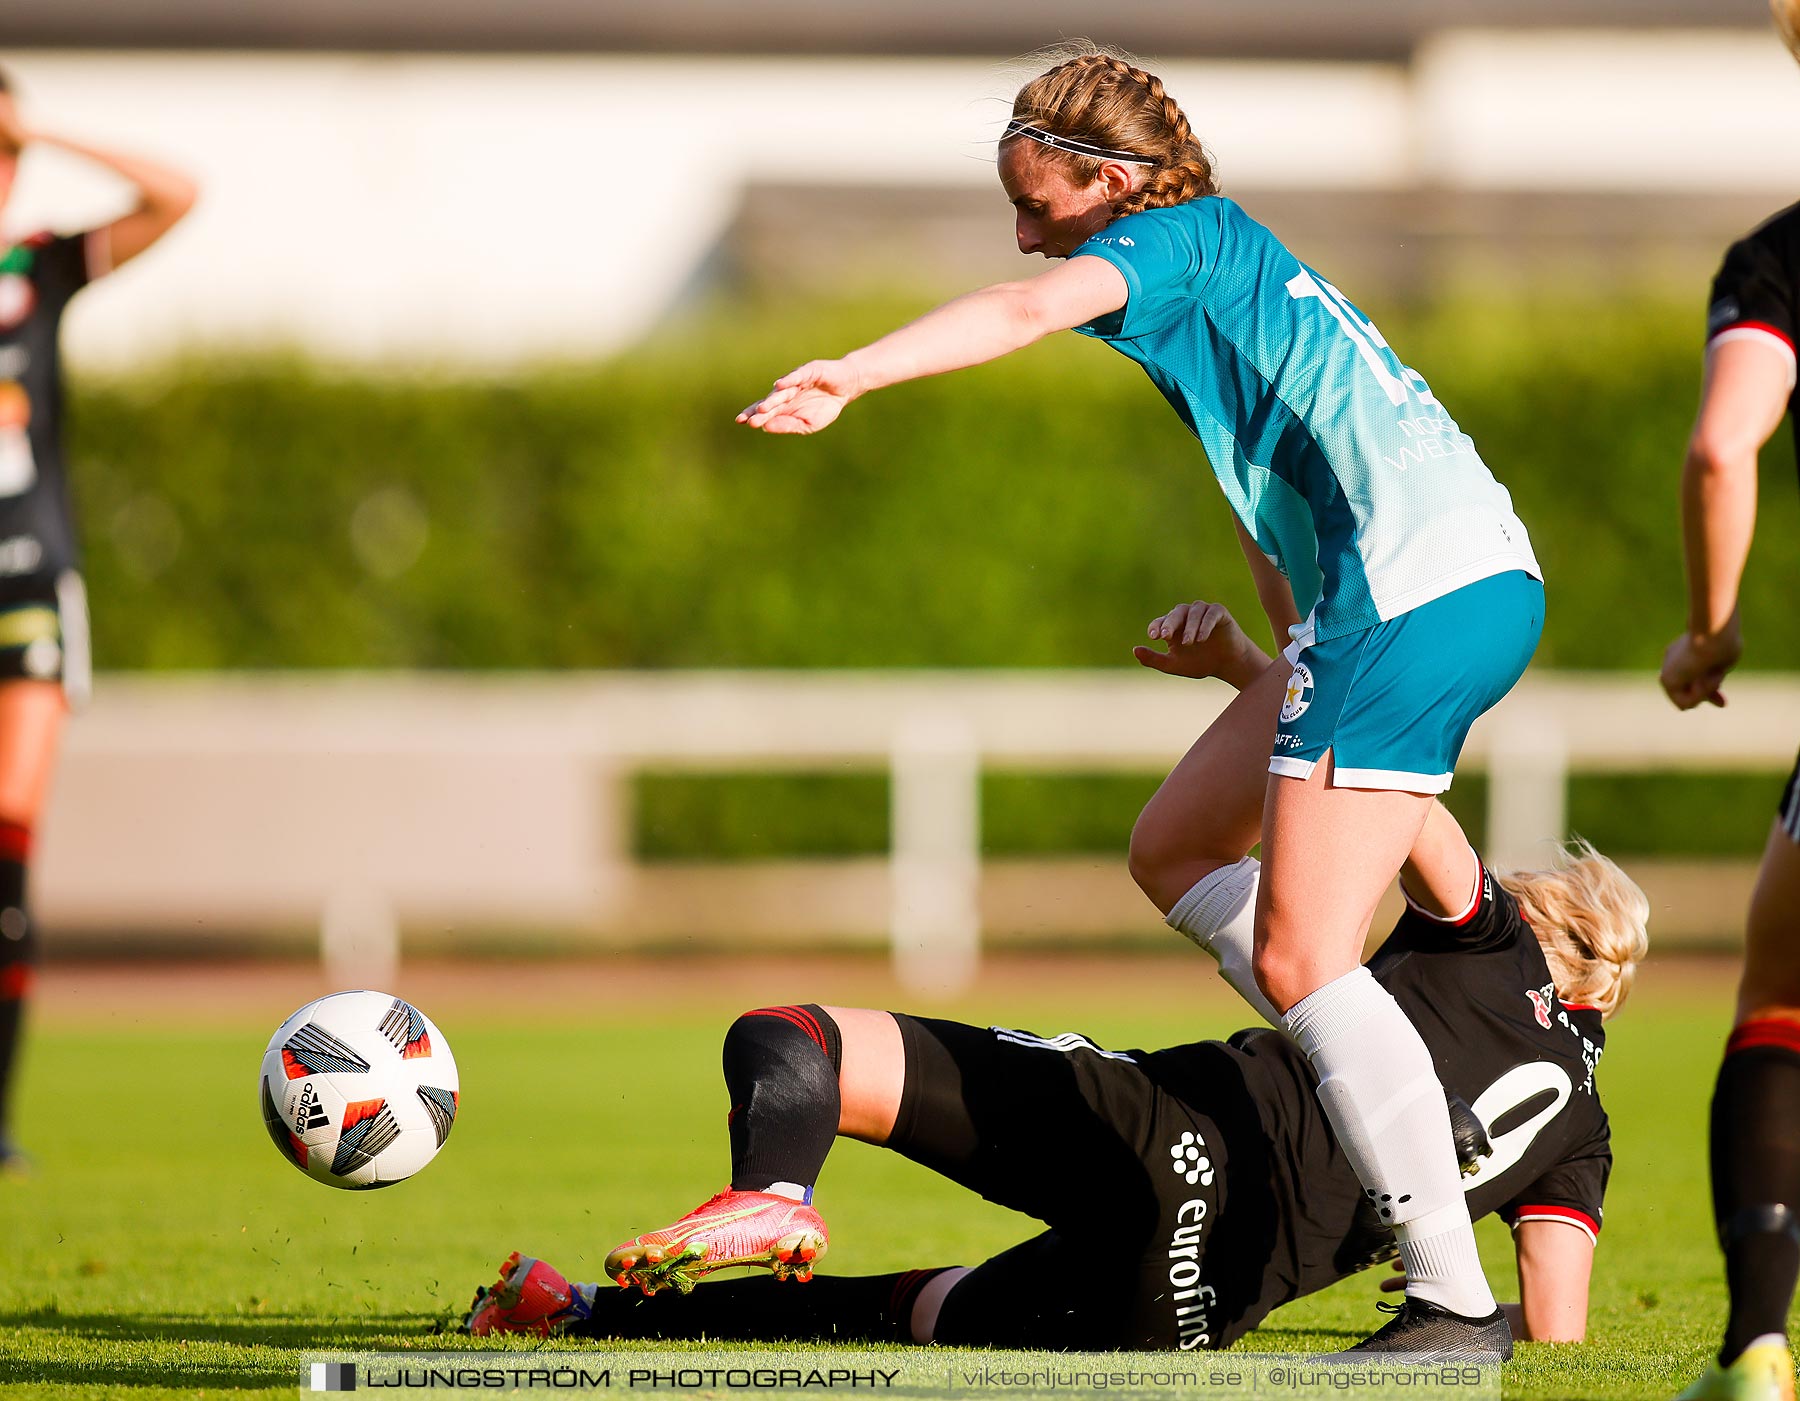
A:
<point x="359" y="1089"/>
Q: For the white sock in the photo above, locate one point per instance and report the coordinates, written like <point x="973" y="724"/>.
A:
<point x="1378" y="1088"/>
<point x="1219" y="915"/>
<point x="793" y="1191"/>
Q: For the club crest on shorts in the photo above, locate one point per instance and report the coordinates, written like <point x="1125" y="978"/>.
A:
<point x="1299" y="693"/>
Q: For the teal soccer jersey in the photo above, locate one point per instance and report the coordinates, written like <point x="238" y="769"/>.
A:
<point x="1340" y="462"/>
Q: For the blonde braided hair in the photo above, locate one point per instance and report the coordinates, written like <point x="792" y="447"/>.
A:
<point x="1104" y="100"/>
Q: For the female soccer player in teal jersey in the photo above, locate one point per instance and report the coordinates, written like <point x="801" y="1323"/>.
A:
<point x="1421" y="597"/>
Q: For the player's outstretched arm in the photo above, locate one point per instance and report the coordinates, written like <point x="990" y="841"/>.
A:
<point x="975" y="328"/>
<point x="1556" y="1262"/>
<point x="1742" y="400"/>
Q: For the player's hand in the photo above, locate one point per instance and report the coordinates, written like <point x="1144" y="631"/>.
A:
<point x="1395" y="1282"/>
<point x="1695" y="665"/>
<point x="1204" y="640"/>
<point x="805" y="400"/>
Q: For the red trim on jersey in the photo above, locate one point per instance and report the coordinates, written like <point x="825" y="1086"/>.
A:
<point x="15" y="981"/>
<point x="1767" y="1031"/>
<point x="1579" y="1007"/>
<point x="1558" y="1213"/>
<point x="15" y="841"/>
<point x="1454" y="921"/>
<point x="802" y="1019"/>
<point x="1774" y="331"/>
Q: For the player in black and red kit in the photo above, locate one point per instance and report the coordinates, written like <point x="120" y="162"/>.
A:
<point x="1187" y="1191"/>
<point x="43" y="614"/>
<point x="1752" y="326"/>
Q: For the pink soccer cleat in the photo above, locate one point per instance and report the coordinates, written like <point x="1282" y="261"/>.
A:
<point x="732" y="1229"/>
<point x="529" y="1297"/>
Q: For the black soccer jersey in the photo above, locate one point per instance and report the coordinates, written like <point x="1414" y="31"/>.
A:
<point x="1481" y="995"/>
<point x="1757" y="292"/>
<point x="37" y="279"/>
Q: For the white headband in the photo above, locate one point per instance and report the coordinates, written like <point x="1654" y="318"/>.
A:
<point x="1071" y="145"/>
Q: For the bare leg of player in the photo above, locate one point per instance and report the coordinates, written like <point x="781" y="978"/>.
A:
<point x="1755" y="1136"/>
<point x="1189" y="848"/>
<point x="1208" y="812"/>
<point x="1328" y="854"/>
<point x="31" y="720"/>
<point x="873" y="1074"/>
<point x="1770" y="986"/>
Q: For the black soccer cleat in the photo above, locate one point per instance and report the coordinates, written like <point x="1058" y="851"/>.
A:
<point x="1466" y="1133"/>
<point x="1431" y="1333"/>
<point x="1371" y="1239"/>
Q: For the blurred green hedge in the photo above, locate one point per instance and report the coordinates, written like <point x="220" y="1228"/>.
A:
<point x="710" y="817"/>
<point x="1030" y="513"/>
<point x="1036" y="512"/>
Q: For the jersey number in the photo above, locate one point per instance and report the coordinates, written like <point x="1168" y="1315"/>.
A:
<point x="1518" y="1087"/>
<point x="1303" y="286"/>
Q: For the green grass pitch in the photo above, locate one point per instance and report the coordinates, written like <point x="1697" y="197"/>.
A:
<point x="163" y="1249"/>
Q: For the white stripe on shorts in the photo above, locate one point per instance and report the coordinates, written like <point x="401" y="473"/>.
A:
<point x="1289" y="767"/>
<point x="1065" y="1042"/>
<point x="1396" y="780"/>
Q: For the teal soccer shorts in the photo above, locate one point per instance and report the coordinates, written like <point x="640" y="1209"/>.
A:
<point x="1393" y="704"/>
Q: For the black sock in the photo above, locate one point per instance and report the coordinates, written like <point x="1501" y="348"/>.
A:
<point x="781" y="1068"/>
<point x="1756" y="1178"/>
<point x="830" y="1308"/>
<point x="17" y="951"/>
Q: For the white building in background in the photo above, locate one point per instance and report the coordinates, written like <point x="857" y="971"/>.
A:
<point x="483" y="211"/>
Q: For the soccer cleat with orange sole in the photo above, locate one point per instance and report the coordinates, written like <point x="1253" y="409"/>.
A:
<point x="529" y="1297"/>
<point x="729" y="1230"/>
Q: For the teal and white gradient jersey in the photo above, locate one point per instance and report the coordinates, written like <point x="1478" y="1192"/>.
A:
<point x="1350" y="475"/>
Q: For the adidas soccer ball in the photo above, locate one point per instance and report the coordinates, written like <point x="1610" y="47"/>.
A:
<point x="358" y="1089"/>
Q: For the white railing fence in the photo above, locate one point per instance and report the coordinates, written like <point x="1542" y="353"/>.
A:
<point x="360" y="805"/>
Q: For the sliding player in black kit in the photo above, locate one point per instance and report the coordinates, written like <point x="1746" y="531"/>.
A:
<point x="1753" y="324"/>
<point x="1187" y="1191"/>
<point x="43" y="610"/>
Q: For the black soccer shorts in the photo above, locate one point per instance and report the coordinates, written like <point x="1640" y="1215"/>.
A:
<point x="44" y="633"/>
<point x="1152" y="1241"/>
